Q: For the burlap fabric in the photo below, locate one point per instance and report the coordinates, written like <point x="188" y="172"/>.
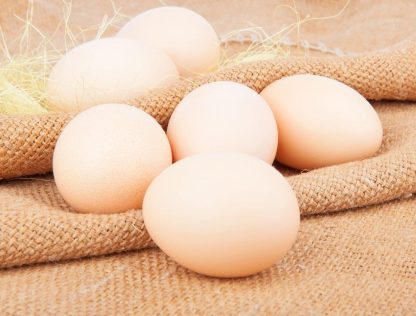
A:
<point x="38" y="226"/>
<point x="27" y="143"/>
<point x="360" y="261"/>
<point x="350" y="263"/>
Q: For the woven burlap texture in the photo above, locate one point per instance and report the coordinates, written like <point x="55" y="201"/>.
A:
<point x="36" y="230"/>
<point x="357" y="262"/>
<point x="348" y="263"/>
<point x="38" y="226"/>
<point x="27" y="143"/>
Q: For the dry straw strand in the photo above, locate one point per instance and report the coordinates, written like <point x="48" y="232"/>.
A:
<point x="23" y="76"/>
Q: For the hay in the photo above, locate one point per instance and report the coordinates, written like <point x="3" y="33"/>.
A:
<point x="23" y="76"/>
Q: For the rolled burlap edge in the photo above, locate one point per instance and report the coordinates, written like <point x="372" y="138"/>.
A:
<point x="27" y="142"/>
<point x="41" y="233"/>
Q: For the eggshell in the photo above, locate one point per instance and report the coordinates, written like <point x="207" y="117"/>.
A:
<point x="322" y="122"/>
<point x="223" y="214"/>
<point x="188" y="38"/>
<point x="107" y="156"/>
<point x="105" y="71"/>
<point x="223" y="116"/>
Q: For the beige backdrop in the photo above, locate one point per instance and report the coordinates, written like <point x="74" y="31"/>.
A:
<point x="364" y="24"/>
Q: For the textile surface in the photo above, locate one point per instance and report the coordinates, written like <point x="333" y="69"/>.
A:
<point x="355" y="253"/>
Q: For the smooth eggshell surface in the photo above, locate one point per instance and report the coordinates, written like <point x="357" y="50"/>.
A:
<point x="223" y="116"/>
<point x="322" y="122"/>
<point x="107" y="156"/>
<point x="188" y="38"/>
<point x="105" y="71"/>
<point x="223" y="215"/>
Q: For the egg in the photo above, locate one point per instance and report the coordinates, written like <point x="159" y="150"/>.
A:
<point x="322" y="122"/>
<point x="222" y="214"/>
<point x="106" y="157"/>
<point x="105" y="71"/>
<point x="223" y="116"/>
<point x="188" y="38"/>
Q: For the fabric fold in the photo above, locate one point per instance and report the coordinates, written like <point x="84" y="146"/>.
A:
<point x="36" y="225"/>
<point x="26" y="143"/>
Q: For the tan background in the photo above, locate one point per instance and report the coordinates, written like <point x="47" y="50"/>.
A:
<point x="364" y="25"/>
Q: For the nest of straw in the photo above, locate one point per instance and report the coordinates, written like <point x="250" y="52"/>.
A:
<point x="24" y="74"/>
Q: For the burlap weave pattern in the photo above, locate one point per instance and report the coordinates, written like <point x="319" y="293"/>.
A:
<point x="348" y="263"/>
<point x="27" y="144"/>
<point x="38" y="226"/>
<point x="361" y="261"/>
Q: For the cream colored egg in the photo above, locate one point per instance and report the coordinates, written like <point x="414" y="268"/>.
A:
<point x="106" y="157"/>
<point x="188" y="38"/>
<point x="322" y="122"/>
<point x="105" y="71"/>
<point x="223" y="215"/>
<point x="223" y="116"/>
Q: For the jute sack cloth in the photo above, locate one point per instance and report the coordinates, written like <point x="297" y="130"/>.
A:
<point x="35" y="232"/>
<point x="37" y="225"/>
<point x="38" y="230"/>
<point x="357" y="262"/>
<point x="26" y="143"/>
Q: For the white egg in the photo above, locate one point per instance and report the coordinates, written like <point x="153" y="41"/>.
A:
<point x="222" y="214"/>
<point x="187" y="37"/>
<point x="106" y="157"/>
<point x="106" y="71"/>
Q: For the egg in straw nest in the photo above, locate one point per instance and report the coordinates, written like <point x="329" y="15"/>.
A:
<point x="24" y="72"/>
